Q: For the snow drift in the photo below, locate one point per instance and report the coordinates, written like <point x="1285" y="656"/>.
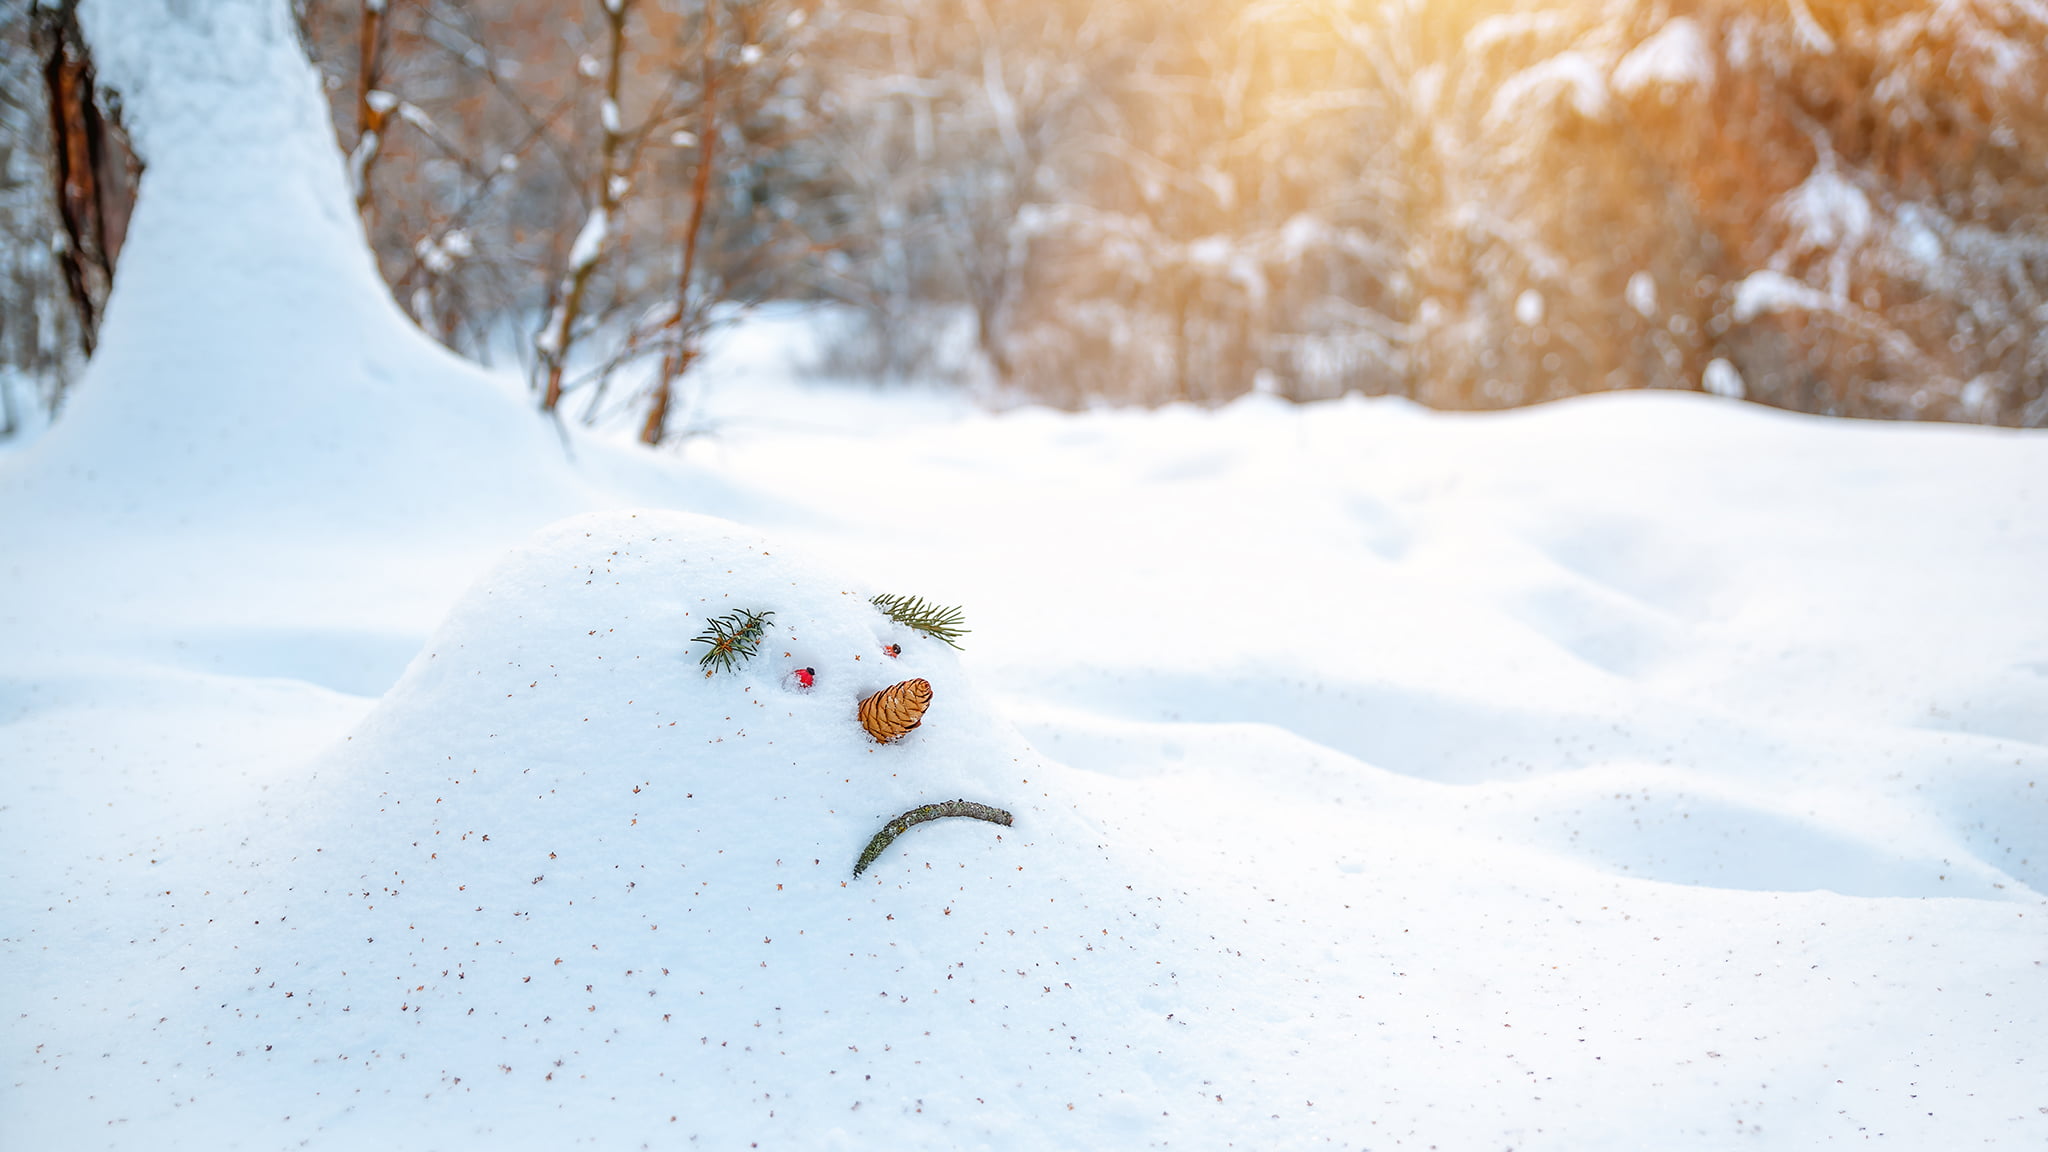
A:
<point x="1645" y="770"/>
<point x="559" y="868"/>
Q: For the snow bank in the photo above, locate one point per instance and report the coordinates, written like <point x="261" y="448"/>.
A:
<point x="1642" y="770"/>
<point x="1598" y="775"/>
<point x="559" y="869"/>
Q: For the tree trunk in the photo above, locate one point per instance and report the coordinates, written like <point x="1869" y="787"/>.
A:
<point x="591" y="243"/>
<point x="370" y="114"/>
<point x="684" y="351"/>
<point x="94" y="171"/>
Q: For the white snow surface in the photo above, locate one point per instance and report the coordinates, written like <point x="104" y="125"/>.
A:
<point x="1574" y="77"/>
<point x="1826" y="211"/>
<point x="1642" y="294"/>
<point x="1675" y="56"/>
<point x="1722" y="379"/>
<point x="1766" y="291"/>
<point x="1645" y="770"/>
<point x="590" y="239"/>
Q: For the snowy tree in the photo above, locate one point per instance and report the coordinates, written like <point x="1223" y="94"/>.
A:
<point x="1842" y="207"/>
<point x="1484" y="205"/>
<point x="1230" y="223"/>
<point x="949" y="120"/>
<point x="1893" y="254"/>
<point x="548" y="186"/>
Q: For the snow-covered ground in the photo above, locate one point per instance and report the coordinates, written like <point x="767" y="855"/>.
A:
<point x="1638" y="771"/>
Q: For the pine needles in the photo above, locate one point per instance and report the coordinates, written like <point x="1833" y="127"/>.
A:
<point x="734" y="639"/>
<point x="934" y="620"/>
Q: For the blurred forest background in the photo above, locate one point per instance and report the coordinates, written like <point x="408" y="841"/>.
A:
<point x="1833" y="206"/>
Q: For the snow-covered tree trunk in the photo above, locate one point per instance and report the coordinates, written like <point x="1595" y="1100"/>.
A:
<point x="91" y="168"/>
<point x="243" y="205"/>
<point x="249" y="347"/>
<point x="558" y="336"/>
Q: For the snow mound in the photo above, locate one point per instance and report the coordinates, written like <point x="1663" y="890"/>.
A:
<point x="573" y="663"/>
<point x="559" y="867"/>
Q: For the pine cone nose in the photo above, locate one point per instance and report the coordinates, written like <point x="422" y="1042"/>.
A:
<point x="895" y="710"/>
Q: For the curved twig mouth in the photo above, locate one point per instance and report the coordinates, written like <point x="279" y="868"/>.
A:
<point x="916" y="816"/>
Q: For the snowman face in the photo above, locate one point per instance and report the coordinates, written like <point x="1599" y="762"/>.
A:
<point x="569" y="680"/>
<point x="734" y="639"/>
<point x="888" y="715"/>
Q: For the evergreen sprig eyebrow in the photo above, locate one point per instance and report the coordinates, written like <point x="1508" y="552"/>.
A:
<point x="938" y="621"/>
<point x="734" y="638"/>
